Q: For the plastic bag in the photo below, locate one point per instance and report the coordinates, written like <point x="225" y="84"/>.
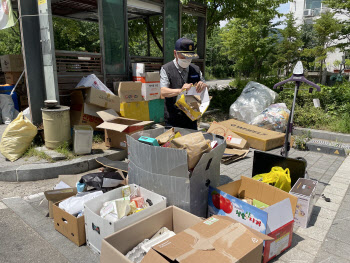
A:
<point x="104" y="180"/>
<point x="275" y="118"/>
<point x="75" y="204"/>
<point x="8" y="111"/>
<point x="254" y="99"/>
<point x="17" y="138"/>
<point x="277" y="177"/>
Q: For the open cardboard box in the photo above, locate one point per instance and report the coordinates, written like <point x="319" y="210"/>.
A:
<point x="165" y="170"/>
<point x="68" y="225"/>
<point x="54" y="196"/>
<point x="274" y="221"/>
<point x="117" y="245"/>
<point x="116" y="128"/>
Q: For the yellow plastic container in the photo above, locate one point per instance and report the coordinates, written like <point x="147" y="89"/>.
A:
<point x="56" y="123"/>
<point x="135" y="110"/>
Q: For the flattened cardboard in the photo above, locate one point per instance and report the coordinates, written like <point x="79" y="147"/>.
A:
<point x="232" y="140"/>
<point x="165" y="170"/>
<point x="116" y="128"/>
<point x="68" y="225"/>
<point x="115" y="246"/>
<point x="130" y="91"/>
<point x="232" y="155"/>
<point x="257" y="137"/>
<point x="53" y="196"/>
<point x="217" y="239"/>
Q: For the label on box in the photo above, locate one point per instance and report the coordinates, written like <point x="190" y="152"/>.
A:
<point x="278" y="245"/>
<point x="235" y="140"/>
<point x="221" y="203"/>
<point x="210" y="221"/>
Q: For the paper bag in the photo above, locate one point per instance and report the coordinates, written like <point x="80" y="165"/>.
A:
<point x="166" y="136"/>
<point x="195" y="145"/>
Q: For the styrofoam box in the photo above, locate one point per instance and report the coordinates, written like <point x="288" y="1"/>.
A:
<point x="82" y="139"/>
<point x="97" y="228"/>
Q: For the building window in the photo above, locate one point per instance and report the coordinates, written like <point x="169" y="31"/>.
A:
<point x="312" y="4"/>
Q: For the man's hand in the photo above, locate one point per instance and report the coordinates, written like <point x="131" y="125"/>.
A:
<point x="186" y="86"/>
<point x="200" y="86"/>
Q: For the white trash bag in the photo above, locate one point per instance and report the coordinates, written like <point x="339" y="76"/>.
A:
<point x="254" y="99"/>
<point x="7" y="107"/>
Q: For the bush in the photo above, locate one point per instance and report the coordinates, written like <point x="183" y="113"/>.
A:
<point x="223" y="98"/>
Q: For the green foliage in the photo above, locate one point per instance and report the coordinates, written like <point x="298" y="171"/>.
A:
<point x="288" y="49"/>
<point x="39" y="155"/>
<point x="250" y="42"/>
<point x="300" y="141"/>
<point x="66" y="149"/>
<point x="98" y="138"/>
<point x="10" y="41"/>
<point x="223" y="98"/>
<point x="76" y="35"/>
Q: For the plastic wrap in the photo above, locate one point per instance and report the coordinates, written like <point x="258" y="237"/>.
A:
<point x="7" y="107"/>
<point x="254" y="99"/>
<point x="275" y="117"/>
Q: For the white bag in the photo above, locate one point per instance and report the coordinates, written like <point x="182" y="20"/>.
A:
<point x="75" y="204"/>
<point x="8" y="111"/>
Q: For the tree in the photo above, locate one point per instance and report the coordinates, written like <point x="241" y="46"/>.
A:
<point x="342" y="7"/>
<point x="288" y="50"/>
<point x="309" y="39"/>
<point x="250" y="42"/>
<point x="326" y="29"/>
<point x="226" y="10"/>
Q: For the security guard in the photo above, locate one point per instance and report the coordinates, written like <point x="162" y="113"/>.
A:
<point x="176" y="76"/>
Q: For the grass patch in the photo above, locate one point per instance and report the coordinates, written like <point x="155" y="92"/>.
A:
<point x="66" y="150"/>
<point x="98" y="138"/>
<point x="32" y="152"/>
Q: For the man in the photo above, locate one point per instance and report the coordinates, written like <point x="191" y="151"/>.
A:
<point x="176" y="76"/>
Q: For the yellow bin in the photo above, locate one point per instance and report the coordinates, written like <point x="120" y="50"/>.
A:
<point x="56" y="123"/>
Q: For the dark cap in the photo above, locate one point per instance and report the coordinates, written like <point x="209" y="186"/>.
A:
<point x="186" y="48"/>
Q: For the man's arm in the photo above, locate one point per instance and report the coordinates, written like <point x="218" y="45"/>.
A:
<point x="165" y="91"/>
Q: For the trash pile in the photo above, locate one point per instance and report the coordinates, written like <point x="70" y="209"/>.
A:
<point x="165" y="203"/>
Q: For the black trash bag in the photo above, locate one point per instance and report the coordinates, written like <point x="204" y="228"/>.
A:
<point x="104" y="181"/>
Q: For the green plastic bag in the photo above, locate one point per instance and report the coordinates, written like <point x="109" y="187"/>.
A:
<point x="17" y="137"/>
<point x="277" y="177"/>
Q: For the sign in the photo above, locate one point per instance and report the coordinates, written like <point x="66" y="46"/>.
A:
<point x="7" y="18"/>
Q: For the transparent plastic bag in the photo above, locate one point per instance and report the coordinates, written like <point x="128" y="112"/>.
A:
<point x="7" y="107"/>
<point x="275" y="118"/>
<point x="254" y="99"/>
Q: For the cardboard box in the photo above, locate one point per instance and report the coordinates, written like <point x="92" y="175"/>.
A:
<point x="258" y="138"/>
<point x="82" y="113"/>
<point x="54" y="196"/>
<point x="165" y="170"/>
<point x="97" y="228"/>
<point x="304" y="190"/>
<point x="232" y="139"/>
<point x="275" y="220"/>
<point x="12" y="63"/>
<point x="93" y="82"/>
<point x="115" y="246"/>
<point x="217" y="239"/>
<point x="116" y="128"/>
<point x="130" y="91"/>
<point x="150" y="86"/>
<point x="100" y="98"/>
<point x="71" y="179"/>
<point x="135" y="110"/>
<point x="68" y="225"/>
<point x="12" y="77"/>
<point x="232" y="155"/>
<point x="192" y="103"/>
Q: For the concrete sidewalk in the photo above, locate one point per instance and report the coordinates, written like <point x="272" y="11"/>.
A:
<point x="327" y="239"/>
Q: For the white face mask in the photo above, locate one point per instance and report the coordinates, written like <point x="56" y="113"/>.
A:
<point x="184" y="62"/>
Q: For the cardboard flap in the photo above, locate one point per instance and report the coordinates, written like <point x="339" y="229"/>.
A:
<point x="142" y="123"/>
<point x="278" y="215"/>
<point x="113" y="126"/>
<point x="58" y="195"/>
<point x="215" y="238"/>
<point x="107" y="115"/>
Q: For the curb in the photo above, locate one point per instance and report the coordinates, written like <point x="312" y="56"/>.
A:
<point x="41" y="171"/>
<point x="325" y="135"/>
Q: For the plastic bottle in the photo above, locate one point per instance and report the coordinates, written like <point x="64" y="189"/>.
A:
<point x="81" y="186"/>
